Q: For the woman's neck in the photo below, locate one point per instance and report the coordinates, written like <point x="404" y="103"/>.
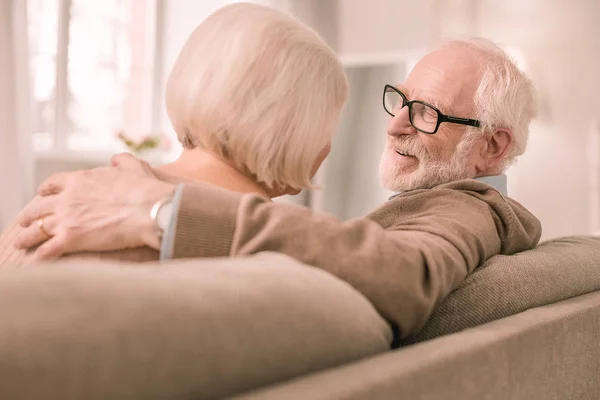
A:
<point x="200" y="166"/>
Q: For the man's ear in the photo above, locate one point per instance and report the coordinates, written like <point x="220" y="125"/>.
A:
<point x="497" y="144"/>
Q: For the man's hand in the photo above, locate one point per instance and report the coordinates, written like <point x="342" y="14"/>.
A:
<point x="95" y="210"/>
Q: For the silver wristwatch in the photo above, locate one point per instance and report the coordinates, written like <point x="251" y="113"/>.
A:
<point x="160" y="214"/>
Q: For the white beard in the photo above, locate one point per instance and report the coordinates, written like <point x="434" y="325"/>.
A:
<point x="429" y="173"/>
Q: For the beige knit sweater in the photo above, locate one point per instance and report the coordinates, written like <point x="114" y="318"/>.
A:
<point x="405" y="257"/>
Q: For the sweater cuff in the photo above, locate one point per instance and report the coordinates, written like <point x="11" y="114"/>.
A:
<point x="166" y="246"/>
<point x="205" y="221"/>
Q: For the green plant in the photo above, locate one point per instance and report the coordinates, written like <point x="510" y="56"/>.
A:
<point x="147" y="142"/>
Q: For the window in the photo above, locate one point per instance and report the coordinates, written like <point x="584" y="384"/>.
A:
<point x="92" y="66"/>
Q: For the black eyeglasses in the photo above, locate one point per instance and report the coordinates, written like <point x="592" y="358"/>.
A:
<point x="423" y="117"/>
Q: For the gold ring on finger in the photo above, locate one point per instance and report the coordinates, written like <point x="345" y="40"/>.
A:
<point x="43" y="231"/>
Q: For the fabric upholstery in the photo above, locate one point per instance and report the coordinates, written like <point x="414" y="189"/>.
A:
<point x="550" y="352"/>
<point x="506" y="285"/>
<point x="405" y="256"/>
<point x="196" y="329"/>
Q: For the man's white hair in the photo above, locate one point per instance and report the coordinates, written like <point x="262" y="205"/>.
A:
<point x="260" y="89"/>
<point x="505" y="96"/>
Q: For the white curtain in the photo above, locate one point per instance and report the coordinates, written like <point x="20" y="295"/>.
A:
<point x="16" y="167"/>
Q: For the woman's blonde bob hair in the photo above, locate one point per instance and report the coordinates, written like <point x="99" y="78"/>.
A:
<point x="260" y="89"/>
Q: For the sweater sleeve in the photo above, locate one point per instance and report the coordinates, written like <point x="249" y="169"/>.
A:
<point x="405" y="258"/>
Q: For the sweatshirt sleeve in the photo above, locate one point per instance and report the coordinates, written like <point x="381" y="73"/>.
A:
<point x="405" y="257"/>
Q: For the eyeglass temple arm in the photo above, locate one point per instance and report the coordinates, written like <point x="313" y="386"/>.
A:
<point x="462" y="121"/>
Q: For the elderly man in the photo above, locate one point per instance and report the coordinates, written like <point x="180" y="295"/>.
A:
<point x="455" y="125"/>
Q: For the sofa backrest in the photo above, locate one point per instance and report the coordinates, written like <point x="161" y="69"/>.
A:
<point x="506" y="285"/>
<point x="195" y="329"/>
<point x="549" y="352"/>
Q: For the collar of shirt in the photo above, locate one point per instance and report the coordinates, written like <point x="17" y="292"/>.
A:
<point x="498" y="182"/>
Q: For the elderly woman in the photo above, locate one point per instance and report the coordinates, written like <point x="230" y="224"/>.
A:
<point x="254" y="97"/>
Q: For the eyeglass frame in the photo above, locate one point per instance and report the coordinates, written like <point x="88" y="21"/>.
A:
<point x="441" y="116"/>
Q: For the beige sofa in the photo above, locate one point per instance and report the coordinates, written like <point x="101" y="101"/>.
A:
<point x="267" y="327"/>
<point x="531" y="331"/>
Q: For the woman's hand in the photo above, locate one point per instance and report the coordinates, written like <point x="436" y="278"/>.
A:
<point x="94" y="210"/>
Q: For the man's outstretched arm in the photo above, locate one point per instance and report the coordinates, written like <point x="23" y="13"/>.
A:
<point x="405" y="258"/>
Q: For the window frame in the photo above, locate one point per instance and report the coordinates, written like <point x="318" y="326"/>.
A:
<point x="59" y="132"/>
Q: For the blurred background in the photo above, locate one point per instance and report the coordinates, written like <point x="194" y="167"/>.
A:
<point x="75" y="73"/>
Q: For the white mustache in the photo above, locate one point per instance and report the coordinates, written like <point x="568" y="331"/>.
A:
<point x="409" y="147"/>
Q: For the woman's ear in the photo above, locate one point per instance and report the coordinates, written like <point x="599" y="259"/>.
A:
<point x="497" y="145"/>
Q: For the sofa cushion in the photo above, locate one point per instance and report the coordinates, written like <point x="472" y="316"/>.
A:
<point x="195" y="329"/>
<point x="505" y="285"/>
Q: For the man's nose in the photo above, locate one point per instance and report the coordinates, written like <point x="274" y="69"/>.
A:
<point x="400" y="123"/>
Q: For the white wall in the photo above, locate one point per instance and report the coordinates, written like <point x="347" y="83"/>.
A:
<point x="179" y="19"/>
<point x="559" y="40"/>
<point x="15" y="152"/>
<point x="352" y="185"/>
<point x="384" y="26"/>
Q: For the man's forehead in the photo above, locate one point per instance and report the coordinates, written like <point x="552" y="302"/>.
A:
<point x="446" y="78"/>
<point x="441" y="100"/>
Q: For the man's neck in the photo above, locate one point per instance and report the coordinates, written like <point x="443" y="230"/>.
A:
<point x="197" y="165"/>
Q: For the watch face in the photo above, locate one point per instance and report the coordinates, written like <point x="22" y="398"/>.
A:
<point x="164" y="216"/>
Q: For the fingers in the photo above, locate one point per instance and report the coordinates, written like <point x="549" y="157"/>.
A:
<point x="51" y="246"/>
<point x="36" y="233"/>
<point x="50" y="250"/>
<point x="117" y="159"/>
<point x="54" y="184"/>
<point x="125" y="160"/>
<point x="38" y="208"/>
<point x="129" y="161"/>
